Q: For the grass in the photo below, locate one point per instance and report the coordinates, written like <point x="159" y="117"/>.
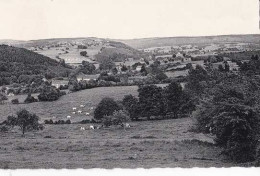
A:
<point x="63" y="107"/>
<point x="166" y="143"/>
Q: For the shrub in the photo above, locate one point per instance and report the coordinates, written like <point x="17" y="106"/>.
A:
<point x="106" y="107"/>
<point x="117" y="118"/>
<point x="48" y="121"/>
<point x="15" y="101"/>
<point x="30" y="99"/>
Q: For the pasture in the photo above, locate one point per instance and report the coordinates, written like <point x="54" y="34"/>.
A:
<point x="166" y="143"/>
<point x="63" y="107"/>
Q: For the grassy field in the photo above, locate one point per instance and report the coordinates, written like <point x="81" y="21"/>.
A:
<point x="166" y="143"/>
<point x="63" y="107"/>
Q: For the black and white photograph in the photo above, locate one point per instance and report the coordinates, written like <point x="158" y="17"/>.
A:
<point x="128" y="84"/>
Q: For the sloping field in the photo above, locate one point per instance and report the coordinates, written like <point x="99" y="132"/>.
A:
<point x="63" y="107"/>
<point x="166" y="143"/>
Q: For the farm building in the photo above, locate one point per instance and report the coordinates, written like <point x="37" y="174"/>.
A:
<point x="83" y="77"/>
<point x="138" y="68"/>
<point x="59" y="83"/>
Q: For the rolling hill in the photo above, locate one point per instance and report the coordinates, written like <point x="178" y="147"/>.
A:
<point x="170" y="41"/>
<point x="69" y="49"/>
<point x="15" y="62"/>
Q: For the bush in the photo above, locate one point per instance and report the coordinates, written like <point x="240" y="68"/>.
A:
<point x="15" y="101"/>
<point x="117" y="118"/>
<point x="30" y="99"/>
<point x="106" y="107"/>
<point x="48" y="121"/>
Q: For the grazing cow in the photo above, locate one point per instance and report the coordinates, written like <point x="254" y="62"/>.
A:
<point x="127" y="125"/>
<point x="73" y="112"/>
<point x="82" y="128"/>
<point x="91" y="108"/>
<point x="91" y="127"/>
<point x="82" y="106"/>
<point x="68" y="117"/>
<point x="79" y="111"/>
<point x="87" y="113"/>
<point x="74" y="108"/>
<point x="53" y="117"/>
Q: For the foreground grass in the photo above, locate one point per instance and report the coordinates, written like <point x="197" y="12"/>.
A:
<point x="166" y="143"/>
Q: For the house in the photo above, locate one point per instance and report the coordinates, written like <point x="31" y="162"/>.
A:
<point x="59" y="83"/>
<point x="186" y="59"/>
<point x="83" y="77"/>
<point x="179" y="55"/>
<point x="138" y="68"/>
<point x="136" y="79"/>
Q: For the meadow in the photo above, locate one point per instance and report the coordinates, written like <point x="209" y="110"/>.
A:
<point x="147" y="144"/>
<point x="63" y="107"/>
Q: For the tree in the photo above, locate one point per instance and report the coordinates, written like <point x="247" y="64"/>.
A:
<point x="30" y="99"/>
<point x="173" y="95"/>
<point x="114" y="71"/>
<point x="124" y="68"/>
<point x="143" y="70"/>
<point x="117" y="118"/>
<point x="131" y="105"/>
<point x="106" y="64"/>
<point x="25" y="120"/>
<point x="106" y="107"/>
<point x="2" y="98"/>
<point x="87" y="68"/>
<point x="49" y="93"/>
<point x="15" y="101"/>
<point x="151" y="101"/>
<point x="83" y="53"/>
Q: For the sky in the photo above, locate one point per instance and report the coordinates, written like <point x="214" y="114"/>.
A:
<point x="126" y="19"/>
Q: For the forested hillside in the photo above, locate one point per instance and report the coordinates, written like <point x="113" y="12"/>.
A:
<point x="17" y="62"/>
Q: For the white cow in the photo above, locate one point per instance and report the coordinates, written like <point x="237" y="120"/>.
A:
<point x="82" y="128"/>
<point x="127" y="125"/>
<point x="73" y="112"/>
<point x="79" y="111"/>
<point x="74" y="108"/>
<point x="82" y="106"/>
<point x="87" y="113"/>
<point x="68" y="117"/>
<point x="91" y="127"/>
<point x="91" y="108"/>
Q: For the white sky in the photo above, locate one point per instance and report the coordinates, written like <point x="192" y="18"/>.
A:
<point x="126" y="19"/>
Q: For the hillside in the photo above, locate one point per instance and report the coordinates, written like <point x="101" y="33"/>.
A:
<point x="170" y="41"/>
<point x="15" y="62"/>
<point x="69" y="49"/>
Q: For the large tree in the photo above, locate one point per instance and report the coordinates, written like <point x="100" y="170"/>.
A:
<point x="106" y="107"/>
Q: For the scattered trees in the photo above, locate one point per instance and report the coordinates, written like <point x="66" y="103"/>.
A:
<point x="49" y="93"/>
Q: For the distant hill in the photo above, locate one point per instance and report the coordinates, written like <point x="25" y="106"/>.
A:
<point x="15" y="62"/>
<point x="170" y="41"/>
<point x="69" y="49"/>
